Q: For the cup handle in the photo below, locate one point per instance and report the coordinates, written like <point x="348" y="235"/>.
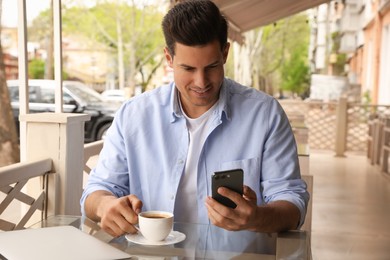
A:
<point x="139" y="230"/>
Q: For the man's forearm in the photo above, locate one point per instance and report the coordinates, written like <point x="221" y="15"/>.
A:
<point x="277" y="216"/>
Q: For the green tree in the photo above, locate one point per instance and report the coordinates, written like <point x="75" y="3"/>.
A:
<point x="133" y="31"/>
<point x="41" y="30"/>
<point x="268" y="50"/>
<point x="36" y="69"/>
<point x="286" y="46"/>
<point x="295" y="73"/>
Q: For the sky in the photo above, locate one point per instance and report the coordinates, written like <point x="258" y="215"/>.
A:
<point x="9" y="16"/>
<point x="34" y="7"/>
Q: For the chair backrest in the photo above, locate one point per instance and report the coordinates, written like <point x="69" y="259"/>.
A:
<point x="385" y="145"/>
<point x="13" y="179"/>
<point x="309" y="181"/>
<point x="91" y="154"/>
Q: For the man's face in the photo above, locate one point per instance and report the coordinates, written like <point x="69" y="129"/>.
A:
<point x="198" y="73"/>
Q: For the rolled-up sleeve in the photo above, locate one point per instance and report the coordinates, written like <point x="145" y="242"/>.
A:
<point x="111" y="173"/>
<point x="281" y="178"/>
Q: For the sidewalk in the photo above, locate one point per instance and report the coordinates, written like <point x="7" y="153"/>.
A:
<point x="351" y="208"/>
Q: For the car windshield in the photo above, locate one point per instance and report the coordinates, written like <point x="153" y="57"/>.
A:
<point x="85" y="93"/>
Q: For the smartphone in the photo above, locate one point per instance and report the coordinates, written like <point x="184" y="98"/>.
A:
<point x="231" y="179"/>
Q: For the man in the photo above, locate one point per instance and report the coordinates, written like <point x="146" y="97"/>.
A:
<point x="165" y="144"/>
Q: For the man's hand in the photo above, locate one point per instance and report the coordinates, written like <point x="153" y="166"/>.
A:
<point x="117" y="216"/>
<point x="242" y="217"/>
<point x="273" y="217"/>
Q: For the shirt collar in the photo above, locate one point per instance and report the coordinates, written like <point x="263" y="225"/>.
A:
<point x="175" y="106"/>
<point x="224" y="100"/>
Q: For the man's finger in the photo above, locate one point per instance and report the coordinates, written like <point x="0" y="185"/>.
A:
<point x="232" y="195"/>
<point x="249" y="194"/>
<point x="136" y="204"/>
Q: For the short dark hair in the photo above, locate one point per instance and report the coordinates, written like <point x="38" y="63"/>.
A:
<point x="194" y="23"/>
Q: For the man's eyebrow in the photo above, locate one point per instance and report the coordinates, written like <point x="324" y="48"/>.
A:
<point x="191" y="67"/>
<point x="186" y="66"/>
<point x="217" y="62"/>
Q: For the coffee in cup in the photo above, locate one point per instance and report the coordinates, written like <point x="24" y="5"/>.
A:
<point x="155" y="225"/>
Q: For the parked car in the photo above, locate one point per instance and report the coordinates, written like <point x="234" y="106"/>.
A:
<point x="77" y="98"/>
<point x="119" y="95"/>
<point x="114" y="95"/>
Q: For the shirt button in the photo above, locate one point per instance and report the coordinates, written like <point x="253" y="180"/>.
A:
<point x="180" y="161"/>
<point x="172" y="197"/>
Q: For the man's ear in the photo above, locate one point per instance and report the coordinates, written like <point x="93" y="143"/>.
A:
<point x="168" y="57"/>
<point x="226" y="52"/>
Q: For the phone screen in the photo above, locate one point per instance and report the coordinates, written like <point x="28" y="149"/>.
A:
<point x="231" y="179"/>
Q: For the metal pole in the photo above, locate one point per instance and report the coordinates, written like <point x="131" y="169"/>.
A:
<point x="23" y="75"/>
<point x="57" y="54"/>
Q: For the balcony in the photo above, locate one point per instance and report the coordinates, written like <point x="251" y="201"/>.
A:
<point x="348" y="43"/>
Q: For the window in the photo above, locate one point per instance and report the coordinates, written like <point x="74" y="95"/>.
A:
<point x="33" y="94"/>
<point x="47" y="95"/>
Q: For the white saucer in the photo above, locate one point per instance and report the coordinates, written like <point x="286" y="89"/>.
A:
<point x="173" y="238"/>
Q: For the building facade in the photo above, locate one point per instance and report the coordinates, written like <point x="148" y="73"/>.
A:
<point x="365" y="29"/>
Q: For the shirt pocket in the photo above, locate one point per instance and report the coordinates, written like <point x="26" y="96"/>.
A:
<point x="252" y="172"/>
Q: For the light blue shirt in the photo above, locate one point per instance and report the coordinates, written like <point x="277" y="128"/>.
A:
<point x="145" y="149"/>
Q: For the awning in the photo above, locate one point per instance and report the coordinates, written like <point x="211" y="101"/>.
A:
<point x="245" y="15"/>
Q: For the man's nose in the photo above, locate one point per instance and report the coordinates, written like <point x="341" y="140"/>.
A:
<point x="200" y="79"/>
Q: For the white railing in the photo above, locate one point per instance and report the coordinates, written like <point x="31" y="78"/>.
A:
<point x="13" y="179"/>
<point x="14" y="189"/>
<point x="339" y="126"/>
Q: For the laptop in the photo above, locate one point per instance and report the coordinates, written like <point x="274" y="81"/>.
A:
<point x="62" y="242"/>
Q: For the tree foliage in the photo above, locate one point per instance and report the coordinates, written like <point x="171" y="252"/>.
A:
<point x="131" y="30"/>
<point x="36" y="69"/>
<point x="341" y="58"/>
<point x="295" y="73"/>
<point x="276" y="62"/>
<point x="283" y="55"/>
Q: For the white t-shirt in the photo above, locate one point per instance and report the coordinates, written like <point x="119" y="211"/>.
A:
<point x="186" y="199"/>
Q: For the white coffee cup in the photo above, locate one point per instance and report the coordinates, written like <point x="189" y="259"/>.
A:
<point x="155" y="225"/>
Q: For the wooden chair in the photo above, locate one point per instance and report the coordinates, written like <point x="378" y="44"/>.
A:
<point x="370" y="136"/>
<point x="91" y="150"/>
<point x="13" y="179"/>
<point x="309" y="181"/>
<point x="386" y="146"/>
